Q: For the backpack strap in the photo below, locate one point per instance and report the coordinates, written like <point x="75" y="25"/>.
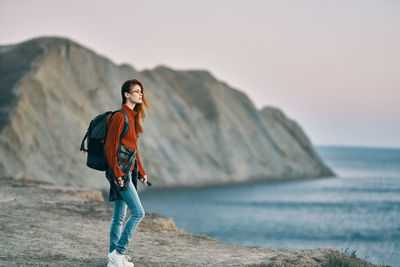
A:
<point x="83" y="141"/>
<point x="126" y="124"/>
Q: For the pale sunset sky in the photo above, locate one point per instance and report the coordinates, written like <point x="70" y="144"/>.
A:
<point x="332" y="66"/>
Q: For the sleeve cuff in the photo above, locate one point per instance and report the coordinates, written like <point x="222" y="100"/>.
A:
<point x="118" y="172"/>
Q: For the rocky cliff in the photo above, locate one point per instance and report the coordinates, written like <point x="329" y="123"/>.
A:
<point x="199" y="131"/>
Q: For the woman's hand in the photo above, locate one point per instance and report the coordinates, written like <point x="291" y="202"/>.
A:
<point x="143" y="179"/>
<point x="121" y="182"/>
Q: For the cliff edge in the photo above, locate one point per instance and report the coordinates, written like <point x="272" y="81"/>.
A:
<point x="52" y="225"/>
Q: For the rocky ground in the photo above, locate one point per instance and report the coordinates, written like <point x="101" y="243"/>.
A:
<point x="49" y="225"/>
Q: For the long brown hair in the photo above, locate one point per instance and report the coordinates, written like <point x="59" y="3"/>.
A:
<point x="126" y="87"/>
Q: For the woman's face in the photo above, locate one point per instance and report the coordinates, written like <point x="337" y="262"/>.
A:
<point x="135" y="94"/>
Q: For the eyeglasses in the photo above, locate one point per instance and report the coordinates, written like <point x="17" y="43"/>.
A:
<point x="134" y="91"/>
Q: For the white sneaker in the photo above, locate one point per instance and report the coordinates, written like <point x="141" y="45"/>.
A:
<point x="115" y="260"/>
<point x="128" y="260"/>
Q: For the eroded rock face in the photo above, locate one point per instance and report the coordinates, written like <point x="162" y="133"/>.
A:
<point x="52" y="225"/>
<point x="200" y="130"/>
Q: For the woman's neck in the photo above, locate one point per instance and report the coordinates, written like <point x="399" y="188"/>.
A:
<point x="130" y="105"/>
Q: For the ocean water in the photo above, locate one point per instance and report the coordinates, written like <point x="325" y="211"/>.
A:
<point x="359" y="209"/>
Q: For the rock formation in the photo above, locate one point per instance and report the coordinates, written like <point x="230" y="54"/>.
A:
<point x="199" y="131"/>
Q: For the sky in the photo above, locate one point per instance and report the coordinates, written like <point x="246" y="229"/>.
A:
<point x="332" y="66"/>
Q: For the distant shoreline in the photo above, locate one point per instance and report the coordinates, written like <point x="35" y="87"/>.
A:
<point x="357" y="147"/>
<point x="231" y="183"/>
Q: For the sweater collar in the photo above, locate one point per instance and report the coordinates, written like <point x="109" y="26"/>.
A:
<point x="129" y="110"/>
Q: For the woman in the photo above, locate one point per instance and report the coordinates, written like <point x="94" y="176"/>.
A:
<point x="132" y="92"/>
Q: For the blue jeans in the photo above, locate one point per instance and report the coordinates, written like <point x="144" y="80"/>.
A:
<point x="131" y="200"/>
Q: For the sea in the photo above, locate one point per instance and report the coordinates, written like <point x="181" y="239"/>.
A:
<point x="357" y="211"/>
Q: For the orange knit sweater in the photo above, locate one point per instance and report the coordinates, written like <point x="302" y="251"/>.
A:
<point x="130" y="140"/>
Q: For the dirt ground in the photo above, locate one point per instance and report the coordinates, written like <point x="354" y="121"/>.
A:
<point x="43" y="224"/>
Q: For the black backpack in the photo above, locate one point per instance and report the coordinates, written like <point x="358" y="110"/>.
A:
<point x="96" y="139"/>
